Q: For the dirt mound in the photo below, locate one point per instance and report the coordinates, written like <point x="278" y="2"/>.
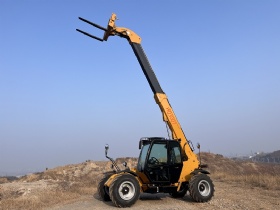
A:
<point x="89" y="171"/>
<point x="92" y="171"/>
<point x="56" y="185"/>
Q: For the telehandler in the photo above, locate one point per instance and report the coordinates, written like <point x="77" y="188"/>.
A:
<point x="164" y="165"/>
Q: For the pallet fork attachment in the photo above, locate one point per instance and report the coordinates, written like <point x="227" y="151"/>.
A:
<point x="112" y="30"/>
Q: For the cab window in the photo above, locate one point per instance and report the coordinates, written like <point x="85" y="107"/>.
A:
<point x="158" y="154"/>
<point x="175" y="153"/>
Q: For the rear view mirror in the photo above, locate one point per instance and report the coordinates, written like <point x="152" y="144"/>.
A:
<point x="106" y="149"/>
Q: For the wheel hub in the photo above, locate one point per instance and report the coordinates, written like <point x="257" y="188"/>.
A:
<point x="204" y="188"/>
<point x="126" y="190"/>
<point x="201" y="188"/>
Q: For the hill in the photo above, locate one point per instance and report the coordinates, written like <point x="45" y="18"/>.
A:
<point x="69" y="183"/>
<point x="273" y="157"/>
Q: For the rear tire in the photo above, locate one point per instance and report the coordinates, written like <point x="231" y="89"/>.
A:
<point x="124" y="191"/>
<point x="103" y="191"/>
<point x="201" y="188"/>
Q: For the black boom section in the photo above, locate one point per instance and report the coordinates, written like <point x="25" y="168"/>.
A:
<point x="146" y="67"/>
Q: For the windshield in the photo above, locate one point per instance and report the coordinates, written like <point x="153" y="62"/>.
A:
<point x="142" y="157"/>
<point x="158" y="154"/>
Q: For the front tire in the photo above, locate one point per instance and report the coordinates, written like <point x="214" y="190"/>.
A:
<point x="124" y="191"/>
<point x="201" y="188"/>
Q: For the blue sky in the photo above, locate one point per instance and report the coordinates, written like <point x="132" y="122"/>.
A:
<point x="63" y="96"/>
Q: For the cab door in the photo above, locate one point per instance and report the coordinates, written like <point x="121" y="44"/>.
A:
<point x="157" y="167"/>
<point x="175" y="161"/>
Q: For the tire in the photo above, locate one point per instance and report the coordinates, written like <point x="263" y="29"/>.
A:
<point x="124" y="191"/>
<point x="201" y="188"/>
<point x="181" y="193"/>
<point x="103" y="191"/>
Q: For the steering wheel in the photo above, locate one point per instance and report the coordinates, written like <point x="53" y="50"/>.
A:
<point x="153" y="161"/>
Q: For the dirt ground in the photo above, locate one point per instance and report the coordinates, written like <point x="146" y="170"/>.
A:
<point x="227" y="196"/>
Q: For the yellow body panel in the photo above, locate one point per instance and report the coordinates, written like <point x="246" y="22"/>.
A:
<point x="114" y="176"/>
<point x="109" y="181"/>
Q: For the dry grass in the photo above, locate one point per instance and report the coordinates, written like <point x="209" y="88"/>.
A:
<point x="250" y="174"/>
<point x="266" y="181"/>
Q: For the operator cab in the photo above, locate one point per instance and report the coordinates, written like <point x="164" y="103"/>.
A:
<point x="160" y="160"/>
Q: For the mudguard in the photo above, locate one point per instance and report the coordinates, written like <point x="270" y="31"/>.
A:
<point x="199" y="170"/>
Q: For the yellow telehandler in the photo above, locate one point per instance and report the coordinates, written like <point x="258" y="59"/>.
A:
<point x="164" y="165"/>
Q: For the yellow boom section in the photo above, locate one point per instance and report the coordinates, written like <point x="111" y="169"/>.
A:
<point x="177" y="133"/>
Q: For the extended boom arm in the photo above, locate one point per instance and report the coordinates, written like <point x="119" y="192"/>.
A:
<point x="159" y="95"/>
